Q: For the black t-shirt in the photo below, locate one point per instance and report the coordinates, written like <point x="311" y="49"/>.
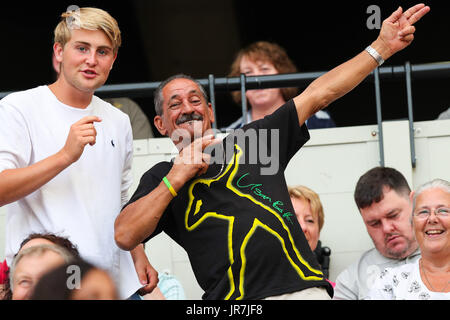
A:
<point x="236" y="222"/>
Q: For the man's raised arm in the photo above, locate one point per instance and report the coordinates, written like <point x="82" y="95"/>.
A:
<point x="396" y="33"/>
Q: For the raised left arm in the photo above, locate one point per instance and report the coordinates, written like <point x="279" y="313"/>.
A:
<point x="396" y="33"/>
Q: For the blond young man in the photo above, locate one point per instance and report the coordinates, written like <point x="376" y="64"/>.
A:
<point x="65" y="155"/>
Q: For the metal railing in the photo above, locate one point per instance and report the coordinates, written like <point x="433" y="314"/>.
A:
<point x="300" y="80"/>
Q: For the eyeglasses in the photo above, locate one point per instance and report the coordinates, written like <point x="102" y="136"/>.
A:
<point x="439" y="212"/>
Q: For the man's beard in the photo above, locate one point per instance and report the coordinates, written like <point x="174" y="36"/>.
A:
<point x="399" y="254"/>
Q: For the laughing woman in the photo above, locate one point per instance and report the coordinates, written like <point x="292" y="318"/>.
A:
<point x="429" y="277"/>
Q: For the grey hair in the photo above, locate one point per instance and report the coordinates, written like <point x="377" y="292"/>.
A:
<point x="436" y="183"/>
<point x="38" y="250"/>
<point x="158" y="96"/>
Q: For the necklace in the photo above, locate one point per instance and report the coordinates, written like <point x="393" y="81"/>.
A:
<point x="426" y="278"/>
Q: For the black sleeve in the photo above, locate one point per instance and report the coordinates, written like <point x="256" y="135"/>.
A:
<point x="291" y="136"/>
<point x="149" y="181"/>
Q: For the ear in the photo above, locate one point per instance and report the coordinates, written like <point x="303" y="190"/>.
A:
<point x="114" y="60"/>
<point x="411" y="199"/>
<point x="211" y="112"/>
<point x="57" y="57"/>
<point x="58" y="51"/>
<point x="158" y="121"/>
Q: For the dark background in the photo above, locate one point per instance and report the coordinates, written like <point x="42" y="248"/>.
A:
<point x="201" y="37"/>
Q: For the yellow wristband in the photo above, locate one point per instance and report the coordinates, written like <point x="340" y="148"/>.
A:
<point x="169" y="186"/>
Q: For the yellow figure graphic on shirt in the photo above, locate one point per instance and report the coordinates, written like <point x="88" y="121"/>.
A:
<point x="241" y="230"/>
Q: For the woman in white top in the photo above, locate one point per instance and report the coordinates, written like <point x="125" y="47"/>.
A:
<point x="429" y="277"/>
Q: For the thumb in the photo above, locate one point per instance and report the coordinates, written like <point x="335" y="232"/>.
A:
<point x="142" y="275"/>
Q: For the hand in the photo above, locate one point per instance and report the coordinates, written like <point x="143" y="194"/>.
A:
<point x="397" y="31"/>
<point x="81" y="133"/>
<point x="147" y="275"/>
<point x="191" y="161"/>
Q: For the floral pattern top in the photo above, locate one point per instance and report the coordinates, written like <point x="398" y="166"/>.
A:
<point x="403" y="283"/>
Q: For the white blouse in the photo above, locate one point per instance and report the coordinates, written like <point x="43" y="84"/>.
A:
<point x="403" y="283"/>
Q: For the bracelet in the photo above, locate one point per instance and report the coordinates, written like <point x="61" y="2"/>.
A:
<point x="169" y="186"/>
<point x="374" y="53"/>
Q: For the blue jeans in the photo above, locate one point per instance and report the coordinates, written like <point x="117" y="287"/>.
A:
<point x="135" y="296"/>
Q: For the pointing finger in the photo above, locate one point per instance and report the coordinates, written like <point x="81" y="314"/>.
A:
<point x="89" y="119"/>
<point x="203" y="142"/>
<point x="210" y="142"/>
<point x="408" y="13"/>
<point x="418" y="15"/>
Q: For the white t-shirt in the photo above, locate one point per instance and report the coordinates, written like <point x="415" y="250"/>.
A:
<point x="403" y="283"/>
<point x="356" y="280"/>
<point x="82" y="201"/>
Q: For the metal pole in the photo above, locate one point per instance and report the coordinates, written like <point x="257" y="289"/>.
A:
<point x="145" y="89"/>
<point x="243" y="99"/>
<point x="212" y="99"/>
<point x="410" y="113"/>
<point x="379" y="117"/>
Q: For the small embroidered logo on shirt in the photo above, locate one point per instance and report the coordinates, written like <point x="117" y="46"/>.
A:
<point x="112" y="143"/>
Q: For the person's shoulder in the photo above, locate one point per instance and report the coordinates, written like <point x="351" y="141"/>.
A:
<point x="321" y="119"/>
<point x="323" y="115"/>
<point x="371" y="253"/>
<point x="104" y="104"/>
<point x="122" y="103"/>
<point x="369" y="257"/>
<point x="235" y="125"/>
<point x="162" y="165"/>
<point x="444" y="115"/>
<point x="352" y="269"/>
<point x="404" y="268"/>
<point x="397" y="278"/>
<point x="151" y="178"/>
<point x="390" y="267"/>
<point x="25" y="102"/>
<point x="286" y="113"/>
<point x="24" y="95"/>
<point x="283" y="117"/>
<point x="108" y="108"/>
<point x="159" y="170"/>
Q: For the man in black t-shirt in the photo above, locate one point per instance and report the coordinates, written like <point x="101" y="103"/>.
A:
<point x="234" y="221"/>
<point x="218" y="199"/>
